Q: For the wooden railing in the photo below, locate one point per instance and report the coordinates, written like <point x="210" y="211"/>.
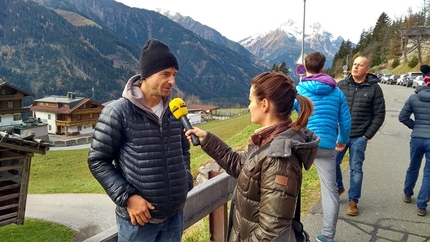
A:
<point x="202" y="200"/>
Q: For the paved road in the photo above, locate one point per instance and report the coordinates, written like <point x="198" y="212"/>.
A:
<point x="383" y="214"/>
<point x="88" y="214"/>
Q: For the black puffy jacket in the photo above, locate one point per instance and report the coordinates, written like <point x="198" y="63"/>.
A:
<point x="132" y="152"/>
<point x="417" y="104"/>
<point x="366" y="104"/>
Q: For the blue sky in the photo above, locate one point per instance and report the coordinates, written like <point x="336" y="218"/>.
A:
<point x="237" y="19"/>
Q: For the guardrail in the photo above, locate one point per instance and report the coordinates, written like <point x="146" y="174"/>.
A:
<point x="209" y="198"/>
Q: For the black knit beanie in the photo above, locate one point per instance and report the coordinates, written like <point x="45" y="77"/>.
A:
<point x="425" y="69"/>
<point x="156" y="56"/>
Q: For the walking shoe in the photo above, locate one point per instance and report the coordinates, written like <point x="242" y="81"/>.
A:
<point x="322" y="238"/>
<point x="341" y="190"/>
<point x="352" y="209"/>
<point x="406" y="199"/>
<point x="421" y="212"/>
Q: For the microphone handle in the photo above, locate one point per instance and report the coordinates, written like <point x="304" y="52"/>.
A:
<point x="187" y="125"/>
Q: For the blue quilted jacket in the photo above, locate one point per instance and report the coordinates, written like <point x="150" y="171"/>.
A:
<point x="331" y="119"/>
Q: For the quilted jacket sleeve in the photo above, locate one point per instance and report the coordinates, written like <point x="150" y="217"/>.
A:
<point x="405" y="114"/>
<point x="107" y="141"/>
<point x="230" y="160"/>
<point x="378" y="113"/>
<point x="344" y="120"/>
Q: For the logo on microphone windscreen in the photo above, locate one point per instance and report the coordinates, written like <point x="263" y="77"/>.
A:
<point x="178" y="107"/>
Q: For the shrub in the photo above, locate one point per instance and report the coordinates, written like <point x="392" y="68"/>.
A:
<point x="396" y="63"/>
<point x="413" y="62"/>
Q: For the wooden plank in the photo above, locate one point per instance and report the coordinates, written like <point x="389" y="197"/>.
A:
<point x="9" y="178"/>
<point x="8" y="221"/>
<point x="6" y="168"/>
<point x="2" y="188"/>
<point x="12" y="158"/>
<point x="7" y="216"/>
<point x="206" y="197"/>
<point x="9" y="196"/>
<point x="23" y="148"/>
<point x="9" y="206"/>
<point x="25" y="176"/>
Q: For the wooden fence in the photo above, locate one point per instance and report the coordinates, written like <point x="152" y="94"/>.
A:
<point x="208" y="198"/>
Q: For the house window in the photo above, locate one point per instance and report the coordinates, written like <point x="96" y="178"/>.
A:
<point x="91" y="115"/>
<point x="85" y="106"/>
<point x="0" y="119"/>
<point x="49" y="116"/>
<point x="9" y="104"/>
<point x="49" y="127"/>
<point x="3" y="92"/>
<point x="16" y="117"/>
<point x="79" y="128"/>
<point x="78" y="117"/>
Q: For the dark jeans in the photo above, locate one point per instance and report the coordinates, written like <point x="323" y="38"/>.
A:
<point x="357" y="148"/>
<point x="167" y="231"/>
<point x="418" y="148"/>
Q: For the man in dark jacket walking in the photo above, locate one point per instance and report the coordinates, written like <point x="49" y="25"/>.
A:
<point x="140" y="154"/>
<point x="367" y="106"/>
<point x="418" y="104"/>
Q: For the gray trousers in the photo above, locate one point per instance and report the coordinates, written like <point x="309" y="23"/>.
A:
<point x="326" y="168"/>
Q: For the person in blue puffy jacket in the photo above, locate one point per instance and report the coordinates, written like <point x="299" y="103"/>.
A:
<point x="331" y="121"/>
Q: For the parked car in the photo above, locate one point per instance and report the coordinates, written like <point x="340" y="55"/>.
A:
<point x="392" y="79"/>
<point x="400" y="80"/>
<point x="378" y="75"/>
<point x="410" y="77"/>
<point x="418" y="82"/>
<point x="385" y="78"/>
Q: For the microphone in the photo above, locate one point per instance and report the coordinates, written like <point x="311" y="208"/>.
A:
<point x="180" y="111"/>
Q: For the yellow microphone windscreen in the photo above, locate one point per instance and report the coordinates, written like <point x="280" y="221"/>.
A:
<point x="178" y="107"/>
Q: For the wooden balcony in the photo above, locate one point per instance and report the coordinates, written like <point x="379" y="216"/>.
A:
<point x="87" y="111"/>
<point x="14" y="110"/>
<point x="11" y="97"/>
<point x="75" y="123"/>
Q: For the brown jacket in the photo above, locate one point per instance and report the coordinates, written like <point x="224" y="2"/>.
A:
<point x="268" y="181"/>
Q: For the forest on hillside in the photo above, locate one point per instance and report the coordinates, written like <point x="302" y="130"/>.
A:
<point x="387" y="43"/>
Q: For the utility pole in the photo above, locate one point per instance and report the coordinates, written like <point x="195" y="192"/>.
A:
<point x="302" y="55"/>
<point x="303" y="36"/>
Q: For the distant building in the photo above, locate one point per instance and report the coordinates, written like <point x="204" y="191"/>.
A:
<point x="11" y="111"/>
<point x="67" y="115"/>
<point x="11" y="108"/>
<point x="205" y="111"/>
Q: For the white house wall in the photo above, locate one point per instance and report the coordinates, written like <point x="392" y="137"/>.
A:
<point x="7" y="119"/>
<point x="194" y="118"/>
<point x="51" y="122"/>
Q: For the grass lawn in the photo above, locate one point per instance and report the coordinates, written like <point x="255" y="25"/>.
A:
<point x="35" y="230"/>
<point x="66" y="171"/>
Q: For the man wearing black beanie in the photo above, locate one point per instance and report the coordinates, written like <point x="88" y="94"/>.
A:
<point x="150" y="176"/>
<point x="418" y="104"/>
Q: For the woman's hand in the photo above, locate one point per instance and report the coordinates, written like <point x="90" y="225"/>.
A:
<point x="201" y="134"/>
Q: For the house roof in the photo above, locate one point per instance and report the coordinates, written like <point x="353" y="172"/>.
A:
<point x="2" y="83"/>
<point x="73" y="105"/>
<point x="202" y="107"/>
<point x="16" y="142"/>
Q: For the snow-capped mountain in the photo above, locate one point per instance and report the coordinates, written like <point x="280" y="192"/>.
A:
<point x="283" y="44"/>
